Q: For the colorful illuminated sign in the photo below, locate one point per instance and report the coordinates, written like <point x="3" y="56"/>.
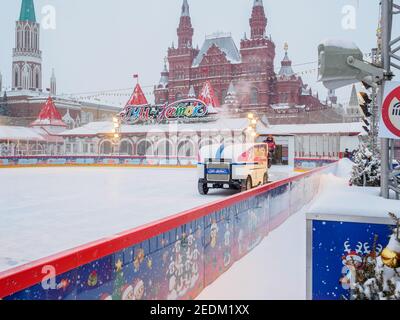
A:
<point x="183" y="109"/>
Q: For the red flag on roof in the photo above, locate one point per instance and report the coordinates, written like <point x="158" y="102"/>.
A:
<point x="138" y="98"/>
<point x="49" y="116"/>
<point x="207" y="95"/>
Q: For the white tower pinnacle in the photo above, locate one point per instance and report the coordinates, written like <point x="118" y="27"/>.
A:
<point x="53" y="84"/>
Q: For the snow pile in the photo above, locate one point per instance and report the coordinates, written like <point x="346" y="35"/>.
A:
<point x="338" y="198"/>
<point x="279" y="280"/>
<point x="344" y="168"/>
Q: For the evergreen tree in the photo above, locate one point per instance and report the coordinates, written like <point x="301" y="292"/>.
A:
<point x="367" y="169"/>
<point x="379" y="279"/>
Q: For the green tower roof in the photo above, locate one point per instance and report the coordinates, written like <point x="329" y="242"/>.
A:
<point x="27" y="11"/>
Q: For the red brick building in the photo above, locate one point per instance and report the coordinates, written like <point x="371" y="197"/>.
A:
<point x="249" y="70"/>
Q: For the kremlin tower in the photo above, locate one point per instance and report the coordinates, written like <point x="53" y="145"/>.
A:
<point x="27" y="57"/>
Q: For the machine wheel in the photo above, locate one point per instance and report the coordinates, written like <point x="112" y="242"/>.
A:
<point x="203" y="189"/>
<point x="247" y="184"/>
<point x="265" y="179"/>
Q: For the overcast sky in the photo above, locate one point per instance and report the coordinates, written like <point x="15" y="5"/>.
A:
<point x="98" y="44"/>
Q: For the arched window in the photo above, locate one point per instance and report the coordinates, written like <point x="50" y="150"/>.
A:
<point x="186" y="149"/>
<point x="254" y="96"/>
<point x="26" y="77"/>
<point x="144" y="148"/>
<point x="126" y="148"/>
<point x="178" y="96"/>
<point x="37" y="80"/>
<point x="106" y="147"/>
<point x="27" y="37"/>
<point x="164" y="148"/>
<point x="16" y="79"/>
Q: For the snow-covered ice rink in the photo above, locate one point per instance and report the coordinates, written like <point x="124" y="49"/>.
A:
<point x="47" y="210"/>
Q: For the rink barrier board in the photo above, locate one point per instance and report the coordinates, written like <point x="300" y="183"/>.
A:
<point x="327" y="236"/>
<point x="307" y="164"/>
<point x="102" y="166"/>
<point x="96" y="161"/>
<point x="172" y="258"/>
<point x="301" y="164"/>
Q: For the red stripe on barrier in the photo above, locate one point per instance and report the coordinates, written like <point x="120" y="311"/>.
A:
<point x="25" y="276"/>
<point x="316" y="159"/>
<point x="99" y="157"/>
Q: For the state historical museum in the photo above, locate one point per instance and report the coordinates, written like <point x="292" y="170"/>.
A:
<point x="247" y="74"/>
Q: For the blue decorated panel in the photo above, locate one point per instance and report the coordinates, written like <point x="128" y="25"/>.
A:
<point x="251" y="223"/>
<point x="338" y="248"/>
<point x="218" y="243"/>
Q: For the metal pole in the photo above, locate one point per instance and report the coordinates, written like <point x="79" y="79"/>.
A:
<point x="386" y="20"/>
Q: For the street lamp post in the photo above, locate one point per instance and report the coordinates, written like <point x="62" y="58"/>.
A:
<point x="116" y="131"/>
<point x="252" y="128"/>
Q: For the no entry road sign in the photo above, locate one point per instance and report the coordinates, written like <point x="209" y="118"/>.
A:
<point x="390" y="114"/>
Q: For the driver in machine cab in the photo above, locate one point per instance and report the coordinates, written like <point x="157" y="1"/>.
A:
<point x="271" y="143"/>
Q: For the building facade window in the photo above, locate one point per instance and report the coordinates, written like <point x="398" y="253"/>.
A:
<point x="144" y="148"/>
<point x="106" y="147"/>
<point x="126" y="148"/>
<point x="254" y="96"/>
<point x="178" y="96"/>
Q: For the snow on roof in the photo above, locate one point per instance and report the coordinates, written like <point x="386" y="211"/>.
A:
<point x="49" y="116"/>
<point x="306" y="90"/>
<point x="109" y="101"/>
<point x="19" y="133"/>
<point x="164" y="80"/>
<point x="27" y="93"/>
<point x="67" y="118"/>
<point x="98" y="128"/>
<point x="343" y="128"/>
<point x="340" y="43"/>
<point x="225" y="43"/>
<point x="280" y="106"/>
<point x="286" y="67"/>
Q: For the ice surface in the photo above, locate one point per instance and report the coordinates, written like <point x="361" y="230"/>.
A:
<point x="44" y="211"/>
